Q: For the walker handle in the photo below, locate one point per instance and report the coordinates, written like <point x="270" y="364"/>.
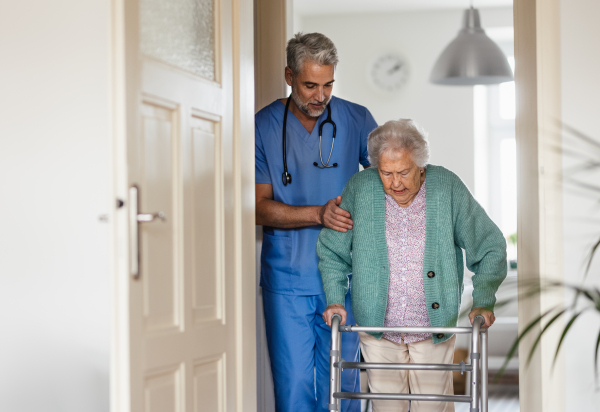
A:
<point x="334" y="315"/>
<point x="481" y="320"/>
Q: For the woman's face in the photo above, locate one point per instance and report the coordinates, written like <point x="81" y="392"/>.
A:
<point x="401" y="177"/>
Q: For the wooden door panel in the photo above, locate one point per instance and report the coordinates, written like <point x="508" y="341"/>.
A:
<point x="170" y="349"/>
<point x="157" y="184"/>
<point x="209" y="385"/>
<point x="163" y="390"/>
<point x="207" y="254"/>
<point x="177" y="86"/>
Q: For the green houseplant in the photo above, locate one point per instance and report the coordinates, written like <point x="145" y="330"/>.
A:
<point x="586" y="153"/>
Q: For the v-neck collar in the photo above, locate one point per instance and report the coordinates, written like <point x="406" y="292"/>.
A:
<point x="310" y="139"/>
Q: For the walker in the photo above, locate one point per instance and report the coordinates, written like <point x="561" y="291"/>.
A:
<point x="478" y="366"/>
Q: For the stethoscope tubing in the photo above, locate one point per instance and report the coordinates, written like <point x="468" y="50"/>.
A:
<point x="286" y="177"/>
<point x="324" y="122"/>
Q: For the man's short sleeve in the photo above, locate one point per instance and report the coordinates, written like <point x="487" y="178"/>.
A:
<point x="368" y="126"/>
<point x="261" y="172"/>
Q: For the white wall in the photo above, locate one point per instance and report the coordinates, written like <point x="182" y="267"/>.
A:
<point x="54" y="274"/>
<point x="445" y="112"/>
<point x="580" y="60"/>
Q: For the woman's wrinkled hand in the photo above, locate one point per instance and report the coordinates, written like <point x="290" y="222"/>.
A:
<point x="487" y="314"/>
<point x="332" y="310"/>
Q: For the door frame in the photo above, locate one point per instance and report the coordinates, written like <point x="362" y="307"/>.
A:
<point x="273" y="21"/>
<point x="539" y="205"/>
<point x="123" y="114"/>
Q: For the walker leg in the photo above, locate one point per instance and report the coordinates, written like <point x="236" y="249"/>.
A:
<point x="339" y="370"/>
<point x="484" y="371"/>
<point x="475" y="361"/>
<point x="334" y="356"/>
<point x="467" y="383"/>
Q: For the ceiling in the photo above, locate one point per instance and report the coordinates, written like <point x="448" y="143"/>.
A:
<point x="311" y="7"/>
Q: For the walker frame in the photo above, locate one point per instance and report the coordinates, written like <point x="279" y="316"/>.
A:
<point x="478" y="366"/>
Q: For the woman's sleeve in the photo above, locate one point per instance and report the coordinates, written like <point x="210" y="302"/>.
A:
<point x="335" y="255"/>
<point x="484" y="245"/>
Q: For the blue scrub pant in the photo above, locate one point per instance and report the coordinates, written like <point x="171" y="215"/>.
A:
<point x="299" y="343"/>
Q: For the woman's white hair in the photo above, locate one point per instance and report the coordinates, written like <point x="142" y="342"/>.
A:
<point x="399" y="135"/>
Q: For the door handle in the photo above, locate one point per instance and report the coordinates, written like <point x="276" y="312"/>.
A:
<point x="149" y="217"/>
<point x="135" y="218"/>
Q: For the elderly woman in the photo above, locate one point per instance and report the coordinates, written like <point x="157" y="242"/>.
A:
<point x="412" y="221"/>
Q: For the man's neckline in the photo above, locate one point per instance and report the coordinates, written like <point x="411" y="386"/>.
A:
<point x="284" y="101"/>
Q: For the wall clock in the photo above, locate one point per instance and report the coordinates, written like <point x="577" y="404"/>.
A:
<point x="388" y="72"/>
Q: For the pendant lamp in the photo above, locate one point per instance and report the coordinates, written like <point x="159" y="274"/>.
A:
<point x="471" y="58"/>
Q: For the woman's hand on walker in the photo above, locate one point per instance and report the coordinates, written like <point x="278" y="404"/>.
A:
<point x="332" y="310"/>
<point x="487" y="314"/>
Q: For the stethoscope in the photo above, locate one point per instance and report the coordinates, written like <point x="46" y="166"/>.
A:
<point x="286" y="177"/>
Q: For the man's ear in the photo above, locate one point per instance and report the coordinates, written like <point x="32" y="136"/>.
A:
<point x="289" y="74"/>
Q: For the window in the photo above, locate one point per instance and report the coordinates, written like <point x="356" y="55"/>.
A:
<point x="496" y="157"/>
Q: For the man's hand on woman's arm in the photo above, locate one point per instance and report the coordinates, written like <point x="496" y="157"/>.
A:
<point x="332" y="310"/>
<point x="276" y="214"/>
<point x="334" y="217"/>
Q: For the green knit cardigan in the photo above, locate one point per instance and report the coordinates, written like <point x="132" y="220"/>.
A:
<point x="454" y="221"/>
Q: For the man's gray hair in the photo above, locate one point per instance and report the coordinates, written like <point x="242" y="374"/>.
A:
<point x="399" y="135"/>
<point x="314" y="47"/>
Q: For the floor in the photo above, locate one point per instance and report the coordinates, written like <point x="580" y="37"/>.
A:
<point x="501" y="398"/>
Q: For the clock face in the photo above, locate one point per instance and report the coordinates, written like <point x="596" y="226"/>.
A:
<point x="388" y="72"/>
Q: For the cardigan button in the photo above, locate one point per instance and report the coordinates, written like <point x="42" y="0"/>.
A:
<point x="430" y="274"/>
<point x="440" y="335"/>
<point x="435" y="305"/>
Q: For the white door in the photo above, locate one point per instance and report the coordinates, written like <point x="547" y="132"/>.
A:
<point x="181" y="167"/>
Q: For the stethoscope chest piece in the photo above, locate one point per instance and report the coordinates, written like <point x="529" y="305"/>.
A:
<point x="328" y="120"/>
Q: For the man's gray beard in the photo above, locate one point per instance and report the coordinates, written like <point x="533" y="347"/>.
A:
<point x="304" y="108"/>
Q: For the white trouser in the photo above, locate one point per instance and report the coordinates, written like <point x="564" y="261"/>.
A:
<point x="420" y="382"/>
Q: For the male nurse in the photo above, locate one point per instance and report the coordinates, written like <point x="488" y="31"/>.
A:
<point x="301" y="171"/>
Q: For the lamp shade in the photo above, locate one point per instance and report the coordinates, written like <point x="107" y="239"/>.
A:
<point x="471" y="58"/>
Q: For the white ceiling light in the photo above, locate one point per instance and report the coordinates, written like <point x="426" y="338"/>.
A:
<point x="471" y="58"/>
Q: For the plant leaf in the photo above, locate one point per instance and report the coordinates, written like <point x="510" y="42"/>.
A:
<point x="589" y="164"/>
<point x="564" y="333"/>
<point x="539" y="337"/>
<point x="580" y="135"/>
<point x="582" y="185"/>
<point x="590" y="294"/>
<point x="515" y="344"/>
<point x="576" y="153"/>
<point x="591" y="257"/>
<point x="596" y="357"/>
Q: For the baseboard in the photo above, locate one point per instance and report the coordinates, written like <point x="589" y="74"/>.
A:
<point x="496" y="362"/>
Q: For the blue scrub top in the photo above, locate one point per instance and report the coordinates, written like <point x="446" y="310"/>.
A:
<point x="289" y="258"/>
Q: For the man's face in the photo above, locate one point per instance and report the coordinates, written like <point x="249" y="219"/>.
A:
<point x="311" y="88"/>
